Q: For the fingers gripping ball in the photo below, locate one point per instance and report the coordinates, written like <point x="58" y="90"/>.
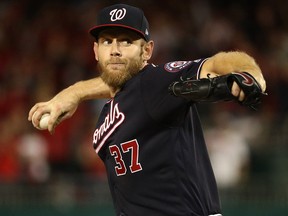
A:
<point x="43" y="124"/>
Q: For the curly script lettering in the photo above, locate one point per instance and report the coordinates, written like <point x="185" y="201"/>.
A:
<point x="113" y="120"/>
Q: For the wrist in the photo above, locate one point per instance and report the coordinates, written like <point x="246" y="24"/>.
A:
<point x="76" y="91"/>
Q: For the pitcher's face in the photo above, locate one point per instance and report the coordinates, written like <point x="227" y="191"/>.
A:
<point x="119" y="53"/>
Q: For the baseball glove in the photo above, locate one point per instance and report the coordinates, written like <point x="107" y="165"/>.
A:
<point x="250" y="87"/>
<point x="219" y="89"/>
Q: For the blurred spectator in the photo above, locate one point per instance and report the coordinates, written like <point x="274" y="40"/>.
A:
<point x="32" y="149"/>
<point x="229" y="139"/>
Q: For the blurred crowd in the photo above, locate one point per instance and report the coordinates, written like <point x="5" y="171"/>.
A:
<point x="45" y="47"/>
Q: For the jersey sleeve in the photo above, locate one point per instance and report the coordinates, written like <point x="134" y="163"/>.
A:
<point x="161" y="105"/>
<point x="187" y="69"/>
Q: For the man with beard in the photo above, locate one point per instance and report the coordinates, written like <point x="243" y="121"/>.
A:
<point x="150" y="141"/>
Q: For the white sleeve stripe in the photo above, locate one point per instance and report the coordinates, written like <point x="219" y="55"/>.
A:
<point x="198" y="77"/>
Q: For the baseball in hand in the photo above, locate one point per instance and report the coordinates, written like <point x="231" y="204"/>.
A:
<point x="43" y="124"/>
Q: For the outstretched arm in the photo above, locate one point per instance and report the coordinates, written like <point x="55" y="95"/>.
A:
<point x="226" y="62"/>
<point x="225" y="76"/>
<point x="63" y="105"/>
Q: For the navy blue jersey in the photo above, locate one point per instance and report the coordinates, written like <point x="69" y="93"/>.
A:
<point x="153" y="147"/>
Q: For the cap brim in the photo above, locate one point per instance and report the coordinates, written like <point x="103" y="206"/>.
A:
<point x="95" y="31"/>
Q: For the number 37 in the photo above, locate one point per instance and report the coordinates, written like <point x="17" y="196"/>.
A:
<point x="131" y="147"/>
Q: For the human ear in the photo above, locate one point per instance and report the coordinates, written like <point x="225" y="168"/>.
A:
<point x="95" y="49"/>
<point x="148" y="50"/>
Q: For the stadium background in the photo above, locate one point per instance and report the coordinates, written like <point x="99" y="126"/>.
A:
<point x="45" y="47"/>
